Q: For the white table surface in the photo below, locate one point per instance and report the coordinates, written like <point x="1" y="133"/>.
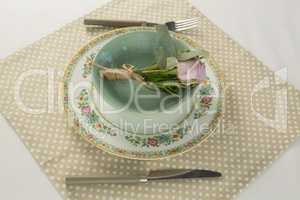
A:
<point x="268" y="28"/>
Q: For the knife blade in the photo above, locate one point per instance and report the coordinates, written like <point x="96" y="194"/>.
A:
<point x="182" y="174"/>
<point x="156" y="175"/>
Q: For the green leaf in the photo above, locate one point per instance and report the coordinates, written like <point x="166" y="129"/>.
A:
<point x="151" y="67"/>
<point x="171" y="62"/>
<point x="189" y="54"/>
<point x="165" y="46"/>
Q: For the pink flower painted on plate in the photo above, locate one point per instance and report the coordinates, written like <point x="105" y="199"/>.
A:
<point x="86" y="109"/>
<point x="152" y="142"/>
<point x="206" y="99"/>
<point x="192" y="69"/>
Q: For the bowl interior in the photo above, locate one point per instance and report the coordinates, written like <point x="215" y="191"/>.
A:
<point x="137" y="49"/>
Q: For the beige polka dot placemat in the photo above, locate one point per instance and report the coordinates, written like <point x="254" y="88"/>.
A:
<point x="261" y="113"/>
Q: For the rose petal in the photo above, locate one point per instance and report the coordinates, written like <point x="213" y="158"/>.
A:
<point x="192" y="69"/>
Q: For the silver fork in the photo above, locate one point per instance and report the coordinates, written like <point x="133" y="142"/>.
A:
<point x="179" y="25"/>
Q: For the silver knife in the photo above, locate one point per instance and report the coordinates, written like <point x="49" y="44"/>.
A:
<point x="152" y="176"/>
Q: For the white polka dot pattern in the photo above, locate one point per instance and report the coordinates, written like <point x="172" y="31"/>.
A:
<point x="247" y="141"/>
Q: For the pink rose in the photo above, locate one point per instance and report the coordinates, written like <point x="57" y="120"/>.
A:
<point x="192" y="69"/>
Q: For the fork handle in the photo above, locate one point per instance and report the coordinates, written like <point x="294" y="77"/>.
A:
<point x="113" y="23"/>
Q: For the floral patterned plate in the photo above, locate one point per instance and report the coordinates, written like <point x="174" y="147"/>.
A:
<point x="79" y="103"/>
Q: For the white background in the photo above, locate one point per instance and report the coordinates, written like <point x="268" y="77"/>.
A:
<point x="268" y="28"/>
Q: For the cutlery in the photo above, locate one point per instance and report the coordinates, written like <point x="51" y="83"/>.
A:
<point x="156" y="175"/>
<point x="179" y="25"/>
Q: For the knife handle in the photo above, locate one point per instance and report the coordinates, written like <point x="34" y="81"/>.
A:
<point x="113" y="23"/>
<point x="102" y="180"/>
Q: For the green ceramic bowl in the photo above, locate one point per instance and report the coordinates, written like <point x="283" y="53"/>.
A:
<point x="138" y="49"/>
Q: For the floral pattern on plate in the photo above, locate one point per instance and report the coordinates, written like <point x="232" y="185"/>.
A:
<point x="204" y="99"/>
<point x="155" y="141"/>
<point x="92" y="118"/>
<point x="88" y="65"/>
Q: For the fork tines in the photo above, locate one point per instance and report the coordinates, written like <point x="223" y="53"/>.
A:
<point x="185" y="24"/>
